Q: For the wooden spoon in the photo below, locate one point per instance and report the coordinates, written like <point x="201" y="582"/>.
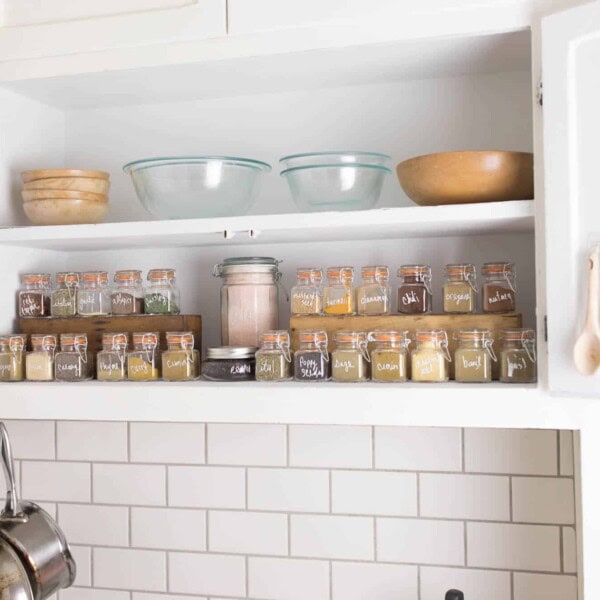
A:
<point x="587" y="348"/>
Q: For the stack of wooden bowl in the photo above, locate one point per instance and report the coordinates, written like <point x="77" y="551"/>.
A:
<point x="65" y="196"/>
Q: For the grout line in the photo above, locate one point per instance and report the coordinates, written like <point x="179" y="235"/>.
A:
<point x="558" y="450"/>
<point x="289" y="534"/>
<point x="91" y="483"/>
<point x="287" y="445"/>
<point x="246" y="488"/>
<point x="418" y="494"/>
<point x="330" y="482"/>
<point x="466" y="559"/>
<point x="247" y="574"/>
<point x="330" y="580"/>
<point x="462" y="450"/>
<point x="206" y="531"/>
<point x="372" y="447"/>
<point x="93" y="561"/>
<point x="55" y="440"/>
<point x="510" y="499"/>
<point x="167" y="582"/>
<point x="128" y="441"/>
<point x="561" y="550"/>
<point x="375" y="538"/>
<point x="206" y="461"/>
<point x="419" y="582"/>
<point x="130" y="527"/>
<point x="166" y="485"/>
<point x="512" y="585"/>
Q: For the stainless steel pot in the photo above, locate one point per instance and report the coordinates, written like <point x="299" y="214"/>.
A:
<point x="34" y="536"/>
<point x="14" y="582"/>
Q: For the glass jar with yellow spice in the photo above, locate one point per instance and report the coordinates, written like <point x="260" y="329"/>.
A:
<point x="373" y="294"/>
<point x="142" y="361"/>
<point x="460" y="289"/>
<point x="350" y="359"/>
<point x="73" y="362"/>
<point x="430" y="359"/>
<point x="274" y="358"/>
<point x="12" y="357"/>
<point x="474" y="355"/>
<point x="518" y="358"/>
<point x="39" y="363"/>
<point x="338" y="294"/>
<point x="111" y="360"/>
<point x="180" y="362"/>
<point x="306" y="295"/>
<point x="389" y="356"/>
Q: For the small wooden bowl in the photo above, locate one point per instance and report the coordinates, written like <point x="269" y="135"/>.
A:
<point x="28" y="176"/>
<point x="65" y="211"/>
<point x="31" y="195"/>
<point x="75" y="184"/>
<point x="467" y="177"/>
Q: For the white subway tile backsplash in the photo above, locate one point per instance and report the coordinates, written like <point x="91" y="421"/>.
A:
<point x="418" y="448"/>
<point x="129" y="484"/>
<point x="420" y="541"/>
<point x="374" y="493"/>
<point x="363" y="581"/>
<point x="116" y="568"/>
<point x="288" y="490"/>
<point x="543" y="500"/>
<point x="566" y="453"/>
<point x="49" y="507"/>
<point x="31" y="439"/>
<point x="181" y="443"/>
<point x="207" y="487"/>
<point x="212" y="574"/>
<point x="330" y="446"/>
<point x="145" y="596"/>
<point x="516" y="451"/>
<point x="324" y="536"/>
<point x="97" y="525"/>
<point x="92" y="441"/>
<point x="569" y="550"/>
<point x="56" y="481"/>
<point x="83" y="559"/>
<point x="488" y="585"/>
<point x="257" y="445"/>
<point x="77" y="593"/>
<point x="168" y="528"/>
<point x="464" y="496"/>
<point x="246" y="532"/>
<point x="288" y="579"/>
<point x="506" y="546"/>
<point x="530" y="586"/>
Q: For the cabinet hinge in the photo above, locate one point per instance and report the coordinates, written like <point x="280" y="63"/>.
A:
<point x="545" y="328"/>
<point x="540" y="93"/>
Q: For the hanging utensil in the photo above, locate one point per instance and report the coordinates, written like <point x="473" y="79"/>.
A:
<point x="14" y="582"/>
<point x="34" y="536"/>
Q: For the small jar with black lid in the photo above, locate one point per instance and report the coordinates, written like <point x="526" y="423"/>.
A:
<point x="230" y="363"/>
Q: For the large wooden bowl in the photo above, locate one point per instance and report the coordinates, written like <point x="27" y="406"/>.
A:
<point x="467" y="177"/>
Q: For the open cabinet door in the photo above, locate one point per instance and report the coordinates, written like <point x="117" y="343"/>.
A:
<point x="571" y="125"/>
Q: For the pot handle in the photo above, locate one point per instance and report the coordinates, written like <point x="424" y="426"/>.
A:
<point x="12" y="508"/>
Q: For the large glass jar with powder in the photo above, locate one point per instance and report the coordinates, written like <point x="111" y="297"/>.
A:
<point x="162" y="296"/>
<point x="312" y="360"/>
<point x="474" y="356"/>
<point x="273" y="358"/>
<point x="73" y="362"/>
<point x="460" y="289"/>
<point x="39" y="363"/>
<point x="307" y="295"/>
<point x="414" y="290"/>
<point x="34" y="295"/>
<point x="143" y="360"/>
<point x="229" y="363"/>
<point x="389" y="356"/>
<point x="12" y="357"/>
<point x="350" y="359"/>
<point x="430" y="358"/>
<point x="518" y="360"/>
<point x="373" y="294"/>
<point x="93" y="296"/>
<point x="111" y="360"/>
<point x="338" y="293"/>
<point x="180" y="361"/>
<point x="499" y="287"/>
<point x="127" y="295"/>
<point x="63" y="301"/>
<point x="249" y="299"/>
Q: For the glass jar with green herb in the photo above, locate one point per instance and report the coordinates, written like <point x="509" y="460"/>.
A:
<point x="111" y="360"/>
<point x="162" y="296"/>
<point x="350" y="359"/>
<point x="63" y="301"/>
<point x="274" y="359"/>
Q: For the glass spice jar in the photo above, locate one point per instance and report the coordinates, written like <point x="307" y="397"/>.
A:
<point x="460" y="289"/>
<point x="306" y="295"/>
<point x="162" y="295"/>
<point x="93" y="296"/>
<point x="249" y="299"/>
<point x="338" y="294"/>
<point x="230" y="363"/>
<point x="273" y="358"/>
<point x="12" y="357"/>
<point x="414" y="291"/>
<point x="127" y="297"/>
<point x="474" y="355"/>
<point x="350" y="359"/>
<point x="142" y="361"/>
<point x="373" y="294"/>
<point x="518" y="361"/>
<point x="63" y="300"/>
<point x="39" y="363"/>
<point x="180" y="361"/>
<point x="499" y="287"/>
<point x="389" y="356"/>
<point x="34" y="295"/>
<point x="73" y="362"/>
<point x="311" y="360"/>
<point x="111" y="360"/>
<point x="430" y="359"/>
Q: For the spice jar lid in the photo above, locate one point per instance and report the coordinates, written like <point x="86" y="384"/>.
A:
<point x="388" y="336"/>
<point x="408" y="270"/>
<point x="69" y="278"/>
<point x="128" y="275"/>
<point x="36" y="278"/>
<point x="347" y="337"/>
<point x="308" y="336"/>
<point x="493" y="268"/>
<point x="149" y="338"/>
<point x="183" y="338"/>
<point x="313" y="273"/>
<point x="473" y="335"/>
<point x="275" y="337"/>
<point x="246" y="264"/>
<point x="155" y="274"/>
<point x="73" y="339"/>
<point x="346" y="273"/>
<point x="377" y="272"/>
<point x="115" y="339"/>
<point x="42" y="340"/>
<point x="95" y="276"/>
<point x="460" y="269"/>
<point x="224" y="352"/>
<point x="13" y="341"/>
<point x="517" y="334"/>
<point x="431" y="335"/>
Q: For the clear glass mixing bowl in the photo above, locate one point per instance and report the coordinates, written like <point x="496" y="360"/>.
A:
<point x="334" y="157"/>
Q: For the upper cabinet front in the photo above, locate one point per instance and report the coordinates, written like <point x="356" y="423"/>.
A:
<point x="571" y="128"/>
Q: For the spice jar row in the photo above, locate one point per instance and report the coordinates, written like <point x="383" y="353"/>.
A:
<point x="90" y="294"/>
<point x="339" y="296"/>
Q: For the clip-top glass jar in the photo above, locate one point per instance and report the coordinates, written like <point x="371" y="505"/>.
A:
<point x="73" y="362"/>
<point x="110" y="361"/>
<point x="430" y="358"/>
<point x="499" y="287"/>
<point x="142" y="361"/>
<point x="162" y="295"/>
<point x="63" y="301"/>
<point x="311" y="360"/>
<point x="12" y="357"/>
<point x="249" y="299"/>
<point x="273" y="358"/>
<point x="338" y="294"/>
<point x="39" y="363"/>
<point x="414" y="291"/>
<point x="350" y="359"/>
<point x="93" y="297"/>
<point x="460" y="289"/>
<point x="373" y="294"/>
<point x="34" y="295"/>
<point x="518" y="360"/>
<point x="127" y="297"/>
<point x="306" y="295"/>
<point x="180" y="361"/>
<point x="389" y="356"/>
<point x="474" y="355"/>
